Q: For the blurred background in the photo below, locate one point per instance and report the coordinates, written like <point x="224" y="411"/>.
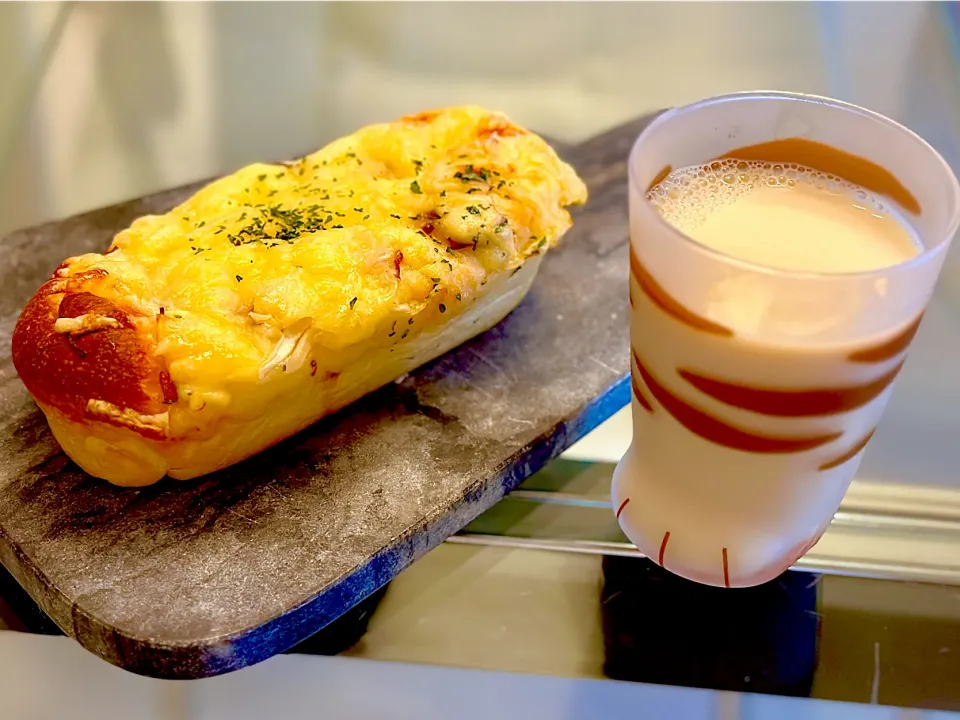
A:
<point x="108" y="101"/>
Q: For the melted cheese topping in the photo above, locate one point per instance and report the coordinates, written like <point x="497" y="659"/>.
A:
<point x="339" y="238"/>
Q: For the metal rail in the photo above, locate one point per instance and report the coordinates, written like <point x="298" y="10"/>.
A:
<point x="882" y="531"/>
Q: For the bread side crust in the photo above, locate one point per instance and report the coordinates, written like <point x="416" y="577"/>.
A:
<point x="92" y="357"/>
<point x="124" y="437"/>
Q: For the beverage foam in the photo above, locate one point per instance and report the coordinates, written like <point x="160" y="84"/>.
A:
<point x="784" y="215"/>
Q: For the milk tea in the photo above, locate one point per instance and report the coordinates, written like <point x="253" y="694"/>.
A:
<point x="743" y="449"/>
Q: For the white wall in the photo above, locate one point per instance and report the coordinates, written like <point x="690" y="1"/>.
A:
<point x="144" y="96"/>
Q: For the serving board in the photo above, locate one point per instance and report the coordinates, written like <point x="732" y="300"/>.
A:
<point x="197" y="578"/>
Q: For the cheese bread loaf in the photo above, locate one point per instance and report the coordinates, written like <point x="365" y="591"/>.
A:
<point x="283" y="292"/>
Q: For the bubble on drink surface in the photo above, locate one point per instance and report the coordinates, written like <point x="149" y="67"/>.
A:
<point x="687" y="196"/>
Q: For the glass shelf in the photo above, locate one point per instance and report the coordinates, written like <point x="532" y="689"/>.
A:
<point x="883" y="530"/>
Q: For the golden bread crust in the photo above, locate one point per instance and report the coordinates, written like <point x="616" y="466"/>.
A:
<point x="106" y="355"/>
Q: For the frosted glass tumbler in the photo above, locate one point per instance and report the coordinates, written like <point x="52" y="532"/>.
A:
<point x="757" y="390"/>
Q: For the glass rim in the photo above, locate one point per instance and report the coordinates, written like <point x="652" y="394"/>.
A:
<point x="915" y="261"/>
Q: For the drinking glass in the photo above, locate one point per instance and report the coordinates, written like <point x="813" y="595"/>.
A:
<point x="756" y="390"/>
